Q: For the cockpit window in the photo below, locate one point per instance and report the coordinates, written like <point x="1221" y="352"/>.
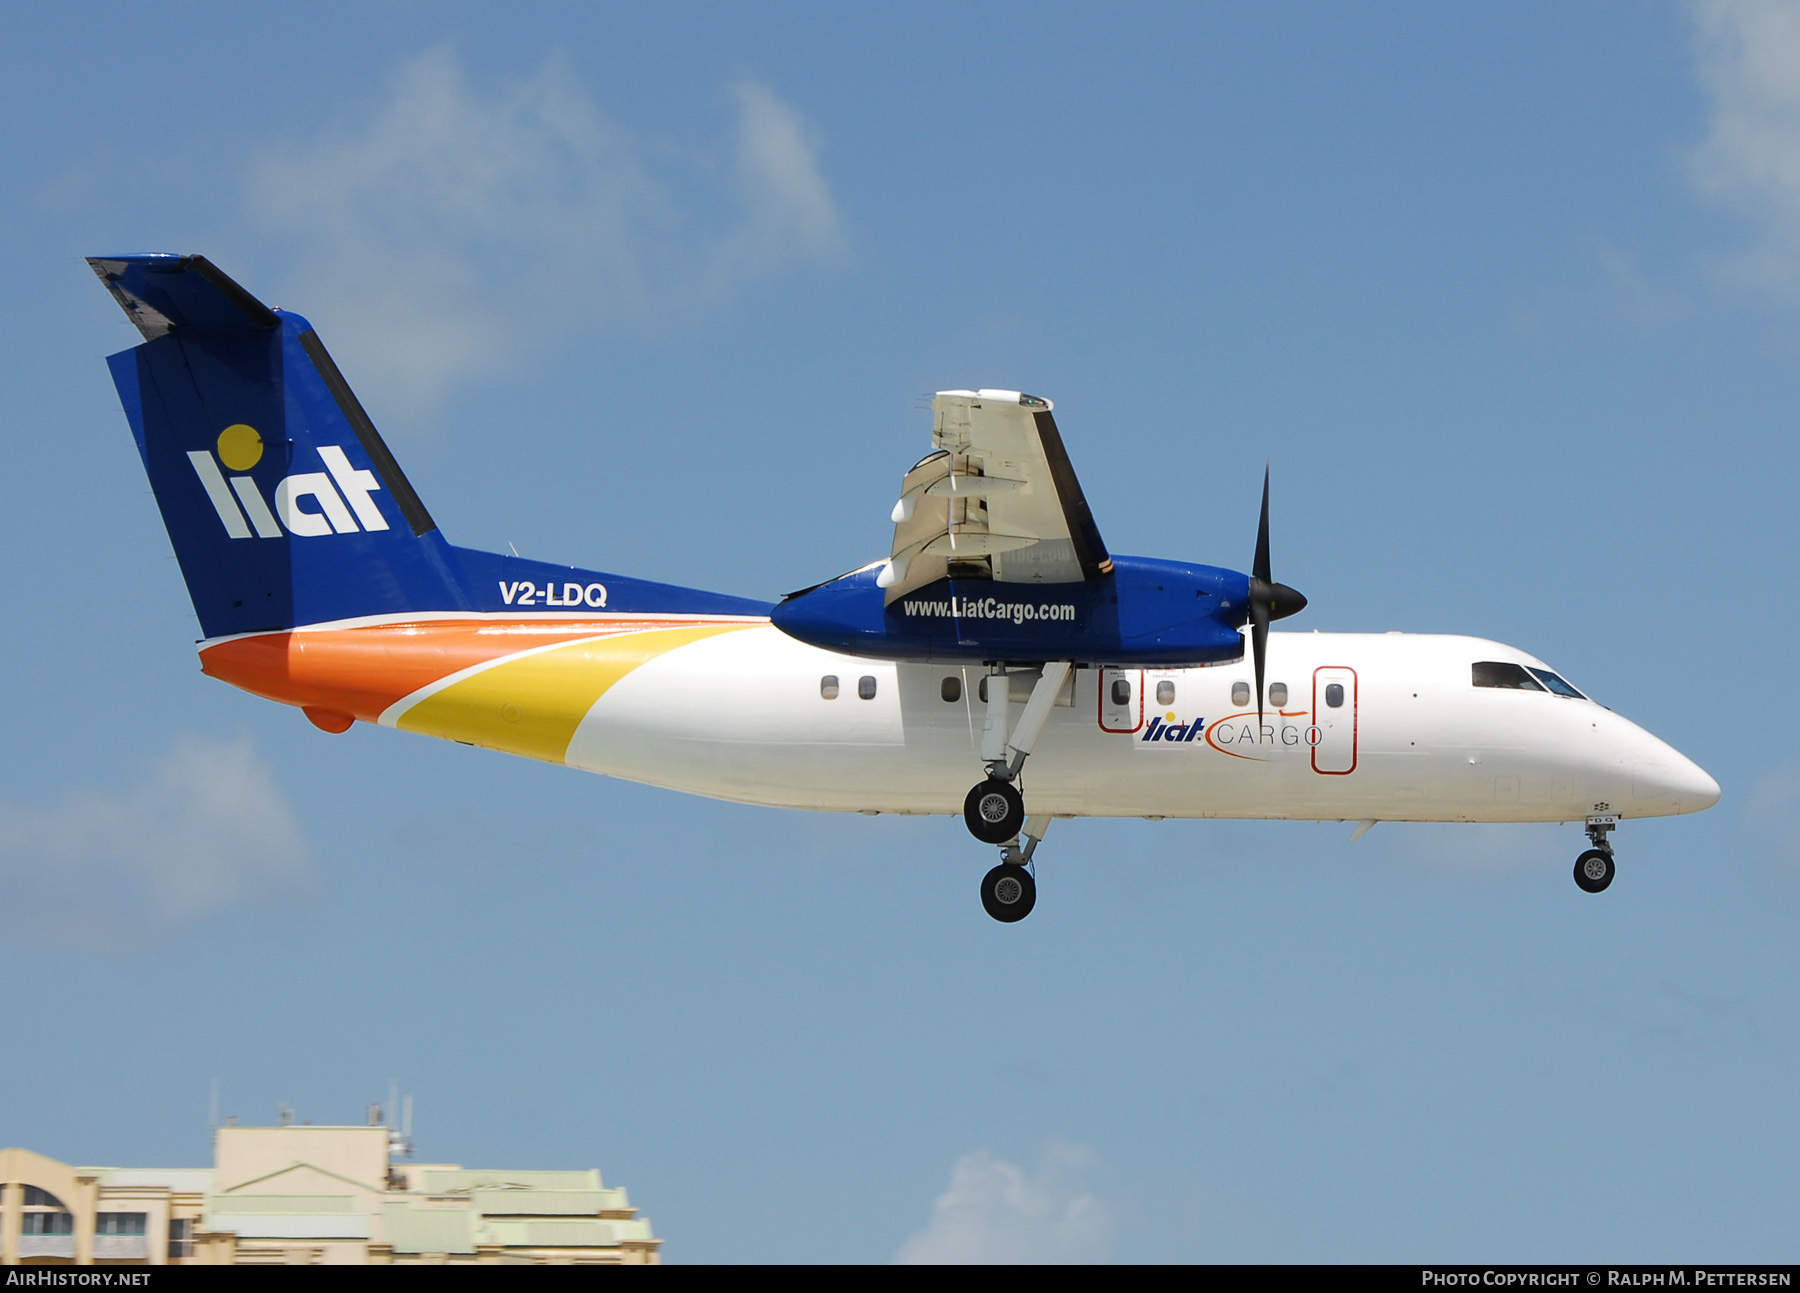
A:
<point x="1556" y="684"/>
<point x="1509" y="677"/>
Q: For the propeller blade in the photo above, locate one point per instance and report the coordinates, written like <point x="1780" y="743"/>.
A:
<point x="1261" y="566"/>
<point x="1259" y="645"/>
<point x="1268" y="599"/>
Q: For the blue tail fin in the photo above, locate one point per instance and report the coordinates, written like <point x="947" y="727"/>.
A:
<point x="284" y="506"/>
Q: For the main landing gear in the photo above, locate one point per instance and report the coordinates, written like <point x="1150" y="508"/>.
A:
<point x="1008" y="892"/>
<point x="1594" y="869"/>
<point x="994" y="809"/>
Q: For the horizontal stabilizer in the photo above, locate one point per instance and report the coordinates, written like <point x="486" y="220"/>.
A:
<point x="162" y="293"/>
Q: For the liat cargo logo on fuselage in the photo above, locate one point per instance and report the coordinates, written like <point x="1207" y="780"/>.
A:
<point x="339" y="495"/>
<point x="1167" y="729"/>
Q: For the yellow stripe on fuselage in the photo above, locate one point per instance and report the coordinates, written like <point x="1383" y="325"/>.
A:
<point x="532" y="705"/>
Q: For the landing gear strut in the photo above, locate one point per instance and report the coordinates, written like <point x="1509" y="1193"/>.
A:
<point x="1594" y="869"/>
<point x="995" y="810"/>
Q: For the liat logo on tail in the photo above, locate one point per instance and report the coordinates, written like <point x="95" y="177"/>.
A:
<point x="240" y="447"/>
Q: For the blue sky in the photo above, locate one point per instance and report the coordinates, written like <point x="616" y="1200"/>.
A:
<point x="1510" y="297"/>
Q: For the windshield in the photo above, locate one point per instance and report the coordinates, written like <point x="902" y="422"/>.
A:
<point x="1504" y="675"/>
<point x="1556" y="684"/>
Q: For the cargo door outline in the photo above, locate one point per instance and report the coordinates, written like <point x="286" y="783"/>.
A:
<point x="1334" y="754"/>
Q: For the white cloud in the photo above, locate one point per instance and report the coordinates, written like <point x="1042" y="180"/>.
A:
<point x="458" y="230"/>
<point x="204" y="828"/>
<point x="1749" y="63"/>
<point x="996" y="1212"/>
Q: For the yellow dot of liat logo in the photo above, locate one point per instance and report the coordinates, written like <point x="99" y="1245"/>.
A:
<point x="1169" y="719"/>
<point x="240" y="447"/>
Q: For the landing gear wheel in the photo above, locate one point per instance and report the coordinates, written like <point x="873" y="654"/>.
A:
<point x="994" y="811"/>
<point x="1008" y="892"/>
<point x="1594" y="870"/>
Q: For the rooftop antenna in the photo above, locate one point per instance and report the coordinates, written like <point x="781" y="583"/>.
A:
<point x="398" y="1122"/>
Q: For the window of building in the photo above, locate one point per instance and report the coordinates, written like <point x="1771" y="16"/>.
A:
<point x="1278" y="694"/>
<point x="1240" y="693"/>
<point x="1165" y="692"/>
<point x="865" y="686"/>
<point x="951" y="690"/>
<point x="49" y="1223"/>
<point x="181" y="1237"/>
<point x="36" y="1198"/>
<point x="1504" y="675"/>
<point x="1121" y="691"/>
<point x="1334" y="695"/>
<point x="120" y="1223"/>
<point x="828" y="686"/>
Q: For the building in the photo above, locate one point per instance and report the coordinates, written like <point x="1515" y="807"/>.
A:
<point x="303" y="1195"/>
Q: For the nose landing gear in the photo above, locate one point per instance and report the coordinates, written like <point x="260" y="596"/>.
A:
<point x="1594" y="869"/>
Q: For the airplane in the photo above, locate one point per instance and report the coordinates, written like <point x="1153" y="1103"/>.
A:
<point x="998" y="635"/>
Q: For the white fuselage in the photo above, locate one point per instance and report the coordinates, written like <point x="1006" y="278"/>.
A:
<point x="743" y="716"/>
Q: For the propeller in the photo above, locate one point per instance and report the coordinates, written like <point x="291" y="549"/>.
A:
<point x="1268" y="599"/>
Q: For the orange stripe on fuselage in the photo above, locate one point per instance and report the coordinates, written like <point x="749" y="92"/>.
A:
<point x="363" y="670"/>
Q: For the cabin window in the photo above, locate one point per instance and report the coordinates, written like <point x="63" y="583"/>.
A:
<point x="1165" y="692"/>
<point x="828" y="686"/>
<point x="1504" y="675"/>
<point x="1334" y="695"/>
<point x="1556" y="684"/>
<point x="951" y="690"/>
<point x="1121" y="691"/>
<point x="1278" y="694"/>
<point x="865" y="686"/>
<point x="1240" y="693"/>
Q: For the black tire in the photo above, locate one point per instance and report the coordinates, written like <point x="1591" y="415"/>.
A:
<point x="1008" y="893"/>
<point x="994" y="811"/>
<point x="1594" y="870"/>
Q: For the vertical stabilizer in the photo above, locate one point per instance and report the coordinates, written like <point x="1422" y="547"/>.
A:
<point x="284" y="505"/>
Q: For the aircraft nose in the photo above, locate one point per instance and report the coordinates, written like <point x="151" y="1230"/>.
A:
<point x="1675" y="780"/>
<point x="1698" y="790"/>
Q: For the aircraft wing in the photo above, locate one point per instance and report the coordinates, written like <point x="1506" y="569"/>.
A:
<point x="996" y="498"/>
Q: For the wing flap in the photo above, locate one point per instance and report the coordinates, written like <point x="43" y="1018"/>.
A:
<point x="997" y="499"/>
